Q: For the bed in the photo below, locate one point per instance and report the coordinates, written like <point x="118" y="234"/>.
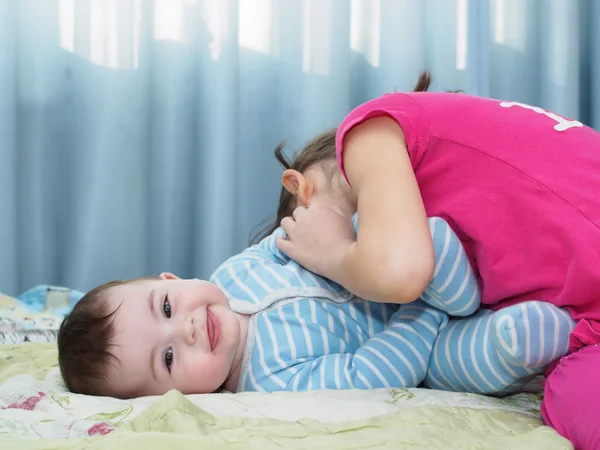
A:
<point x="37" y="412"/>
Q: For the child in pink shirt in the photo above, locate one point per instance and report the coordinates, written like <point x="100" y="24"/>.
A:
<point x="519" y="185"/>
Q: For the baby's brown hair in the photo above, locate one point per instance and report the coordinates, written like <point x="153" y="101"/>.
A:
<point x="318" y="151"/>
<point x="85" y="339"/>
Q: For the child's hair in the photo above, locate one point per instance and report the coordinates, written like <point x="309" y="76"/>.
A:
<point x="319" y="150"/>
<point x="85" y="339"/>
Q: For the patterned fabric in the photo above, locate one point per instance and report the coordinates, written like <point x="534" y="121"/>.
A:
<point x="35" y="315"/>
<point x="309" y="333"/>
<point x="24" y="336"/>
<point x="35" y="405"/>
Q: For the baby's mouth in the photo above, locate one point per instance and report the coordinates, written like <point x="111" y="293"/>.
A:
<point x="213" y="330"/>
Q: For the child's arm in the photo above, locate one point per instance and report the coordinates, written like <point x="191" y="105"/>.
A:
<point x="392" y="260"/>
<point x="393" y="255"/>
<point x="396" y="357"/>
<point x="453" y="288"/>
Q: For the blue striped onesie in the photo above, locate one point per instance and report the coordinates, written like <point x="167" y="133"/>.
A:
<point x="306" y="332"/>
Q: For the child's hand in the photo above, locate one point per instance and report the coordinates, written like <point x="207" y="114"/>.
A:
<point x="318" y="238"/>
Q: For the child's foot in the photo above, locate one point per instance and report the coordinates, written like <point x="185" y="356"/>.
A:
<point x="532" y="334"/>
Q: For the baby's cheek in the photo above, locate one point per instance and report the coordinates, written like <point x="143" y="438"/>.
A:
<point x="203" y="374"/>
<point x="221" y="299"/>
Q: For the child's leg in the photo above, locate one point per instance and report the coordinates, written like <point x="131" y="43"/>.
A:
<point x="494" y="352"/>
<point x="454" y="288"/>
<point x="572" y="398"/>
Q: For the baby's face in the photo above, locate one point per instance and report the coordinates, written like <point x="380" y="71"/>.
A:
<point x="172" y="334"/>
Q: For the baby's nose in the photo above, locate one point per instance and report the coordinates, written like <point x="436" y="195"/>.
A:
<point x="189" y="331"/>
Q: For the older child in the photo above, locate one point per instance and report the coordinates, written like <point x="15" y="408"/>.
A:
<point x="518" y="184"/>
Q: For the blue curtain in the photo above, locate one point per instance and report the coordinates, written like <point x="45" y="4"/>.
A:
<point x="136" y="136"/>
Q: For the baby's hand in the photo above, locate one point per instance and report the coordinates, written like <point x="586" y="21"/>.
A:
<point x="318" y="238"/>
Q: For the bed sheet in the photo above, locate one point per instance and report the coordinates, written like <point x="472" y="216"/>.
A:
<point x="37" y="412"/>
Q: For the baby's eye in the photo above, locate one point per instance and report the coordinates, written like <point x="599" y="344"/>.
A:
<point x="169" y="359"/>
<point x="167" y="308"/>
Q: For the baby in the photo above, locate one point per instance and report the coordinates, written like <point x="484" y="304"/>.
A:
<point x="263" y="323"/>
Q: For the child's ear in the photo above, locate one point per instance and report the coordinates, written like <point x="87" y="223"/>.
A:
<point x="168" y="276"/>
<point x="297" y="184"/>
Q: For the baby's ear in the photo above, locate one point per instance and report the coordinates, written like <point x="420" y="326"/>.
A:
<point x="168" y="276"/>
<point x="297" y="184"/>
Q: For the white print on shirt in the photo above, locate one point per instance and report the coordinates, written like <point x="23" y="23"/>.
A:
<point x="562" y="125"/>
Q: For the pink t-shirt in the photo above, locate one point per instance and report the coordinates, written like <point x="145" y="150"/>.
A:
<point x="519" y="185"/>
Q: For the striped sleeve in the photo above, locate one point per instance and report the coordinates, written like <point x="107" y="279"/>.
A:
<point x="260" y="270"/>
<point x="396" y="357"/>
<point x="454" y="287"/>
<point x="252" y="275"/>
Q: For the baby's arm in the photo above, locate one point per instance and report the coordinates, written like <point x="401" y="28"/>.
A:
<point x="396" y="357"/>
<point x="453" y="288"/>
<point x="241" y="277"/>
<point x="495" y="352"/>
<point x="269" y="245"/>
